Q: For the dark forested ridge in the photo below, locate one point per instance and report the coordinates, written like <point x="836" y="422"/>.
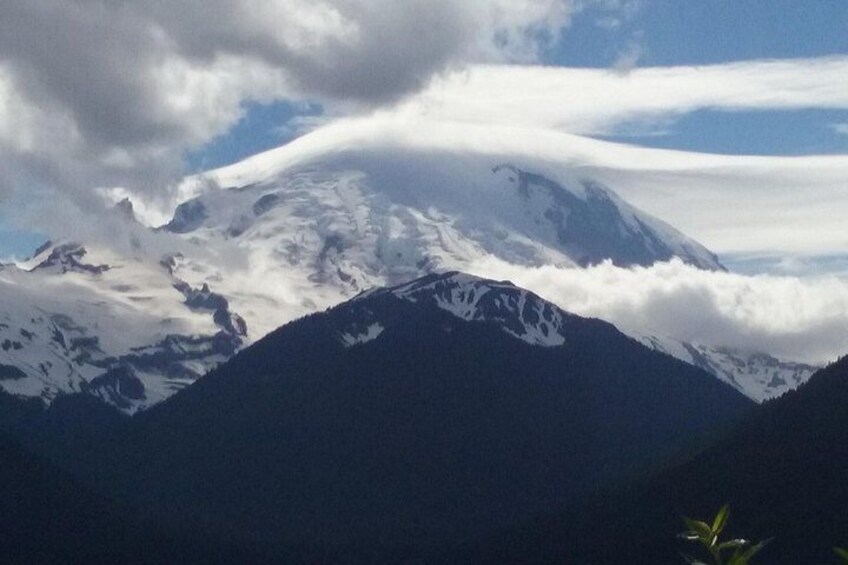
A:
<point x="784" y="471"/>
<point x="414" y="444"/>
<point x="47" y="516"/>
<point x="436" y="432"/>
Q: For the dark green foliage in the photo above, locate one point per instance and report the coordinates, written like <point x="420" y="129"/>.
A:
<point x="737" y="551"/>
<point x="784" y="468"/>
<point x="438" y="432"/>
<point x="48" y="517"/>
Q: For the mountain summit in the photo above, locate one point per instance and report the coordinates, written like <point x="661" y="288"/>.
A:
<point x="518" y="312"/>
<point x="338" y="211"/>
<point x="304" y="227"/>
<point x="424" y="413"/>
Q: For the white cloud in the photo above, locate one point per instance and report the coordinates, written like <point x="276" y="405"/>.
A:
<point x="787" y="203"/>
<point x="732" y="204"/>
<point x="791" y="318"/>
<point x="113" y="93"/>
<point x="841" y="129"/>
<point x="598" y="101"/>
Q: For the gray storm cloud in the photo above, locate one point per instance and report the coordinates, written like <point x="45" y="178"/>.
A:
<point x="112" y="93"/>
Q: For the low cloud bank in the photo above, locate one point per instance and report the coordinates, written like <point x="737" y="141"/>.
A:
<point x="801" y="319"/>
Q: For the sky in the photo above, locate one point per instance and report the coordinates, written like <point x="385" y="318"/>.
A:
<point x="137" y="94"/>
<point x="668" y="33"/>
<point x="726" y="118"/>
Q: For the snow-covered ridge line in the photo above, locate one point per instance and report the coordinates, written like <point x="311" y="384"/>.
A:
<point x="519" y="312"/>
<point x="308" y="226"/>
<point x="757" y="375"/>
<point x="590" y="219"/>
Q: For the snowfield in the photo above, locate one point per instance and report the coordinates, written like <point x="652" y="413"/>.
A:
<point x="304" y="227"/>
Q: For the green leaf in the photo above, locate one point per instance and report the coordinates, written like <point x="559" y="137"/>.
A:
<point x="713" y="542"/>
<point x="737" y="560"/>
<point x="721" y="519"/>
<point x="843" y="553"/>
<point x="701" y="528"/>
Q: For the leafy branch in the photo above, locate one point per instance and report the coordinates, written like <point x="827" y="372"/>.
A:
<point x="731" y="552"/>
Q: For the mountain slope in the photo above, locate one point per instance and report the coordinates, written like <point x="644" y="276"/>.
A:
<point x="329" y="222"/>
<point x="47" y="517"/>
<point x="782" y="471"/>
<point x="50" y="517"/>
<point x="304" y="227"/>
<point x="430" y="412"/>
<point x="757" y="375"/>
<point x="119" y="327"/>
<point x="325" y="218"/>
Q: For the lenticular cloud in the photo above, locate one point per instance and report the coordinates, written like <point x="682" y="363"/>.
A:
<point x="122" y="89"/>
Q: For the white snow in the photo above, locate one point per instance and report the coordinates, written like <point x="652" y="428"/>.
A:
<point x="462" y="295"/>
<point x="758" y="376"/>
<point x="306" y="226"/>
<point x="370" y="333"/>
<point x="42" y="312"/>
<point x="370" y="212"/>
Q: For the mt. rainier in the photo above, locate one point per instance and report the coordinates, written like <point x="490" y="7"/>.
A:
<point x="324" y="221"/>
<point x="304" y="227"/>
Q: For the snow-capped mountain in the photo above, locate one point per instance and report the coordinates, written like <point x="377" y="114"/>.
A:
<point x="121" y="328"/>
<point x="300" y="229"/>
<point x="518" y="312"/>
<point x="428" y="413"/>
<point x="526" y="316"/>
<point x="305" y="226"/>
<point x="325" y="224"/>
<point x="757" y="375"/>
